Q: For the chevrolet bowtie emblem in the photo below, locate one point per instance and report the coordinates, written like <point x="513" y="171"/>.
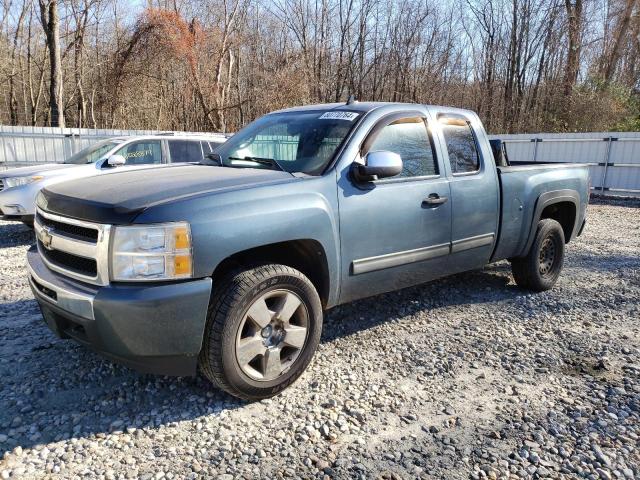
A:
<point x="45" y="237"/>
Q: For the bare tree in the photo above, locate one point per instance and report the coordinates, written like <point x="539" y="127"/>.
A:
<point x="522" y="64"/>
<point x="574" y="46"/>
<point x="51" y="26"/>
<point x="613" y="57"/>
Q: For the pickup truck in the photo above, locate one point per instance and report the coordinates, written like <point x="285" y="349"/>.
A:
<point x="20" y="186"/>
<point x="228" y="266"/>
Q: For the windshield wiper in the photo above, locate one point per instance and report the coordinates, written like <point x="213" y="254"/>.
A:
<point x="270" y="162"/>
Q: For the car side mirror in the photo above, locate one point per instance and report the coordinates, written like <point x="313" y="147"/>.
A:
<point x="214" y="158"/>
<point x="377" y="165"/>
<point x="116" y="161"/>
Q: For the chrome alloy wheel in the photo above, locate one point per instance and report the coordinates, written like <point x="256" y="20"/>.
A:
<point x="271" y="335"/>
<point x="547" y="255"/>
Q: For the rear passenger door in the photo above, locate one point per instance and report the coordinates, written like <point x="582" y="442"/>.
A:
<point x="474" y="190"/>
<point x="185" y="151"/>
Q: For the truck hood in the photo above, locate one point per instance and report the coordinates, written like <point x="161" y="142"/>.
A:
<point x="44" y="170"/>
<point x="119" y="197"/>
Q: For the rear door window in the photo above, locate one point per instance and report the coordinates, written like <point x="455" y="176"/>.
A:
<point x="185" y="151"/>
<point x="464" y="156"/>
<point x="142" y="152"/>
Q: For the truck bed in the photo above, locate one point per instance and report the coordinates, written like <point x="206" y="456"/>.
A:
<point x="524" y="189"/>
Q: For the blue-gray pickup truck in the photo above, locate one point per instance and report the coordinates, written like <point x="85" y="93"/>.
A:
<point x="227" y="266"/>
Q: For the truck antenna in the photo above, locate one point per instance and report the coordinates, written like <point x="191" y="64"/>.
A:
<point x="351" y="99"/>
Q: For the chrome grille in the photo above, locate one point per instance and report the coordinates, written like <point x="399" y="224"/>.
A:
<point x="80" y="265"/>
<point x="1" y="184"/>
<point x="74" y="248"/>
<point x="74" y="231"/>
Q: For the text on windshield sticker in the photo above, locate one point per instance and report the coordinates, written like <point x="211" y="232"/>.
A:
<point x="348" y="116"/>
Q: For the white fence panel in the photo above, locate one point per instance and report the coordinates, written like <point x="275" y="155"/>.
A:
<point x="613" y="157"/>
<point x="21" y="146"/>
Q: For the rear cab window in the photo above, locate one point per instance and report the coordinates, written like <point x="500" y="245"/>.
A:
<point x="460" y="140"/>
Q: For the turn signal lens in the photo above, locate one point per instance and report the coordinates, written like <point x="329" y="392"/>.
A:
<point x="182" y="265"/>
<point x="182" y="238"/>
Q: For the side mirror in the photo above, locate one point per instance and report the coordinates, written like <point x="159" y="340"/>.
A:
<point x="116" y="161"/>
<point x="382" y="164"/>
<point x="216" y="158"/>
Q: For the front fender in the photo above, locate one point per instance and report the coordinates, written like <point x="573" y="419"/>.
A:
<point x="227" y="223"/>
<point x="24" y="195"/>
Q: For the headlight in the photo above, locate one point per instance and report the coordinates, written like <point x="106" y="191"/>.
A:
<point x="151" y="252"/>
<point x="17" y="181"/>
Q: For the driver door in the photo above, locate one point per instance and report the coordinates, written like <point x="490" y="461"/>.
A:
<point x="392" y="233"/>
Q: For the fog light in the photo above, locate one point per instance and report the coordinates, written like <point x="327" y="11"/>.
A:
<point x="14" y="210"/>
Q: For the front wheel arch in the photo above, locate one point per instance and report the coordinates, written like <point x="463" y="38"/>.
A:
<point x="305" y="255"/>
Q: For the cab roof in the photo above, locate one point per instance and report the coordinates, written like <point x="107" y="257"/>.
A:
<point x="220" y="137"/>
<point x="367" y="107"/>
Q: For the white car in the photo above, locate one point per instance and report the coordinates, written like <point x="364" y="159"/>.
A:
<point x="19" y="186"/>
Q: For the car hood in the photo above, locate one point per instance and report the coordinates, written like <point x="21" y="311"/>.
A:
<point x="119" y="197"/>
<point x="36" y="170"/>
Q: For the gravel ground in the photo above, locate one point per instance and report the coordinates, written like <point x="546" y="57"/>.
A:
<point x="464" y="377"/>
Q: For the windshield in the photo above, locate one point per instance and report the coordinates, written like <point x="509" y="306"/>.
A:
<point x="295" y="141"/>
<point x="92" y="153"/>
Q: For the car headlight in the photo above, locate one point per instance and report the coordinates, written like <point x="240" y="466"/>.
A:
<point x="17" y="181"/>
<point x="151" y="252"/>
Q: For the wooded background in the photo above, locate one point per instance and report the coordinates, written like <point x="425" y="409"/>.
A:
<point x="214" y="65"/>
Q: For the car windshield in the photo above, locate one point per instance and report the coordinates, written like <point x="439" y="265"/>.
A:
<point x="292" y="141"/>
<point x="92" y="153"/>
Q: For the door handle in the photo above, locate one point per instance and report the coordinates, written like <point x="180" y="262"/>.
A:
<point x="434" y="200"/>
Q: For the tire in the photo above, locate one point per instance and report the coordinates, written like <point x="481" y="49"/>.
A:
<point x="232" y="356"/>
<point x="539" y="270"/>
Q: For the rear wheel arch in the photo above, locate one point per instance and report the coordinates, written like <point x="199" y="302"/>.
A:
<point x="555" y="202"/>
<point x="305" y="255"/>
<point x="564" y="212"/>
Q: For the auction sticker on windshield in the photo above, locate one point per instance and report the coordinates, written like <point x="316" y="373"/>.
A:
<point x="349" y="116"/>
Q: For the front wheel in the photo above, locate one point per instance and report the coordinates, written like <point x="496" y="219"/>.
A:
<point x="540" y="268"/>
<point x="263" y="328"/>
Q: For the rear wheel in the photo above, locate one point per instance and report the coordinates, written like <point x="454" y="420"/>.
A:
<point x="263" y="328"/>
<point x="540" y="268"/>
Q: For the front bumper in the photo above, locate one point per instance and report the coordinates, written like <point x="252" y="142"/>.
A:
<point x="152" y="328"/>
<point x="16" y="202"/>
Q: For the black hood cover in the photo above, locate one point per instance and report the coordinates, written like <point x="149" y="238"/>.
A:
<point x="119" y="197"/>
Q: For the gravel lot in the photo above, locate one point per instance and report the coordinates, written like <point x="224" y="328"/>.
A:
<point x="464" y="377"/>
